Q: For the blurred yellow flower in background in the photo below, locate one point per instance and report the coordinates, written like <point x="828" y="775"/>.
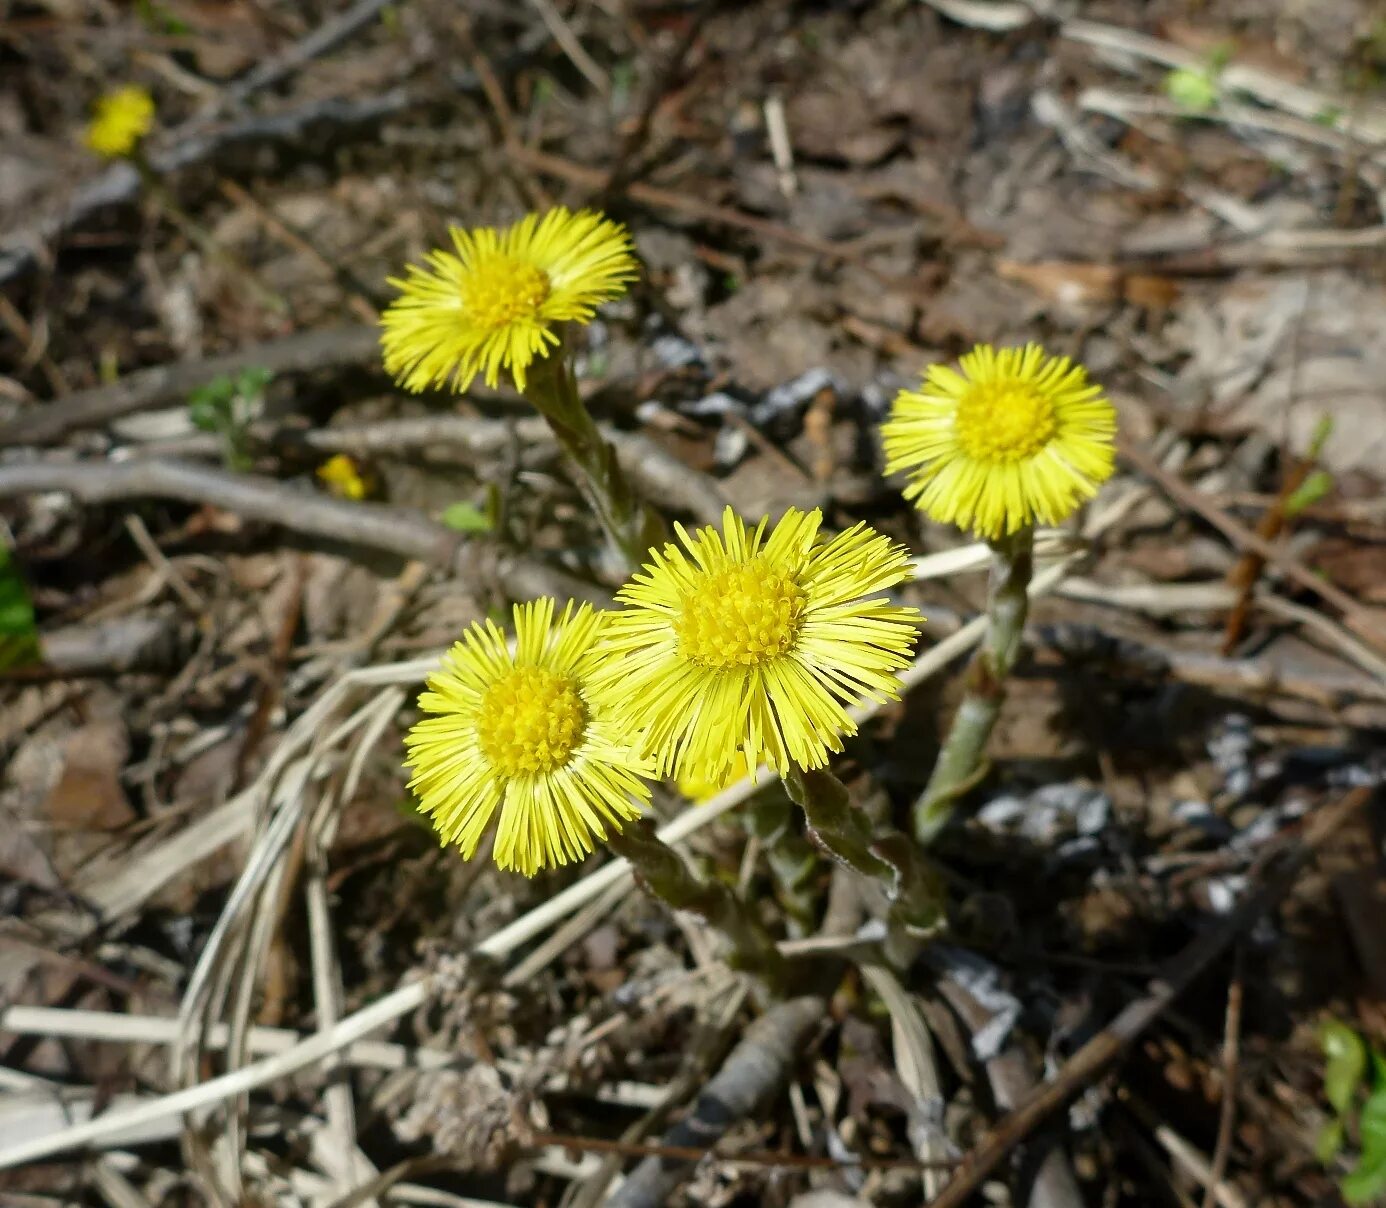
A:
<point x="526" y="733"/>
<point x="492" y="304"/>
<point x="341" y="475"/>
<point x="122" y="118"/>
<point x="748" y="644"/>
<point x="1016" y="437"/>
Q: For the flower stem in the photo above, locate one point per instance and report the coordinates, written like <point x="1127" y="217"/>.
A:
<point x="632" y="526"/>
<point x="961" y="759"/>
<point x="792" y="860"/>
<point x="663" y="873"/>
<point x="885" y="855"/>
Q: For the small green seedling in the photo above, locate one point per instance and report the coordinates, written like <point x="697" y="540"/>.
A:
<point x="1354" y="1083"/>
<point x="226" y="406"/>
<point x="1319" y="483"/>
<point x="464" y="517"/>
<point x="1196" y="89"/>
<point x="19" y="645"/>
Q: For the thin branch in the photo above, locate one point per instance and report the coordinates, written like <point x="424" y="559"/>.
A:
<point x="230" y="821"/>
<point x="692" y="1153"/>
<point x="1089" y="1062"/>
<point x="754" y="1070"/>
<point x="594" y="180"/>
<point x="148" y="388"/>
<point x="120" y="183"/>
<point x="1362" y="619"/>
<point x="657" y="473"/>
<point x="327" y="36"/>
<point x="399" y="531"/>
<point x="1231" y="1053"/>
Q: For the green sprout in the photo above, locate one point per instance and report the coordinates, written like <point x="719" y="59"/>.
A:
<point x="19" y="645"/>
<point x="226" y="406"/>
<point x="1196" y="89"/>
<point x="1354" y="1083"/>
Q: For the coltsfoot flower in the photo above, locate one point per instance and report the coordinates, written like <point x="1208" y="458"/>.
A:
<point x="527" y="733"/>
<point x="1016" y="437"/>
<point x="122" y="118"/>
<point x="745" y="646"/>
<point x="493" y="302"/>
<point x="344" y="477"/>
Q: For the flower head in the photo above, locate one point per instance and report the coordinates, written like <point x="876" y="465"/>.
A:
<point x="747" y="645"/>
<point x="344" y="477"/>
<point x="123" y="117"/>
<point x="493" y="302"/>
<point x="527" y="733"/>
<point x="1016" y="437"/>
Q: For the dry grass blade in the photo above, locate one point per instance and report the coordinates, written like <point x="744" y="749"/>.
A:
<point x="408" y="998"/>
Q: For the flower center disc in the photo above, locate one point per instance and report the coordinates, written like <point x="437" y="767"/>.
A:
<point x="531" y="720"/>
<point x="1004" y="421"/>
<point x="502" y="290"/>
<point x="740" y="616"/>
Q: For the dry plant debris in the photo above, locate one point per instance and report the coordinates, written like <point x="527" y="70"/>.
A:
<point x="235" y="967"/>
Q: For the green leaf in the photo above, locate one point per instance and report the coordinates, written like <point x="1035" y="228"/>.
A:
<point x="1192" y="89"/>
<point x="464" y="517"/>
<point x="209" y="406"/>
<point x="1309" y="492"/>
<point x="1322" y="431"/>
<point x="1220" y="56"/>
<point x="1372" y="1126"/>
<point x="252" y="381"/>
<point x="1345" y="1063"/>
<point x="19" y="645"/>
<point x="1378" y="1070"/>
<point x="1366" y="1184"/>
<point x="1329" y="1142"/>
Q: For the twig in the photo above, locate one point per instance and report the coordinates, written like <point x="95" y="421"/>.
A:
<point x="327" y="36"/>
<point x="1052" y="1183"/>
<point x="659" y="474"/>
<point x="781" y="149"/>
<point x="1362" y="619"/>
<point x="1184" y="1153"/>
<point x="109" y="647"/>
<point x="120" y="183"/>
<point x="118" y="1028"/>
<point x="707" y="1047"/>
<point x="706" y="211"/>
<point x="163" y="567"/>
<point x="568" y="42"/>
<point x="754" y="1070"/>
<point x="913" y="1051"/>
<point x="357" y="297"/>
<point x="148" y="388"/>
<point x="689" y="1154"/>
<point x="397" y="530"/>
<point x="137" y="880"/>
<point x="1109" y="1044"/>
<point x="625" y="164"/>
<point x="1231" y="1046"/>
<point x="1247" y="570"/>
<point x="1266" y="87"/>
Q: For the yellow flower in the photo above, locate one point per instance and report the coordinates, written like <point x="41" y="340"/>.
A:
<point x="122" y="118"/>
<point x="527" y="733"/>
<point x="744" y="646"/>
<point x="698" y="789"/>
<point x="343" y="477"/>
<point x="495" y="303"/>
<point x="1016" y="437"/>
